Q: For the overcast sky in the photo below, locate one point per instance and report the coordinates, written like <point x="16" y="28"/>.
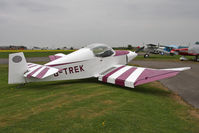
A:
<point x="115" y="22"/>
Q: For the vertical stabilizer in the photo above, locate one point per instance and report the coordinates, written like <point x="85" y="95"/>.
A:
<point x="17" y="68"/>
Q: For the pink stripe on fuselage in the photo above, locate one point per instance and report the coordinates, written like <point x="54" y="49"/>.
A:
<point x="29" y="75"/>
<point x="121" y="79"/>
<point x="42" y="73"/>
<point x="51" y="57"/>
<point x="64" y="63"/>
<point x="104" y="79"/>
<point x="121" y="52"/>
<point x="54" y="57"/>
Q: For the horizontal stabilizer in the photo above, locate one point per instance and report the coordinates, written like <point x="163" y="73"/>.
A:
<point x="131" y="76"/>
<point x="39" y="71"/>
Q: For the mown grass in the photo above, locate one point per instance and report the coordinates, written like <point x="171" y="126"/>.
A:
<point x="91" y="106"/>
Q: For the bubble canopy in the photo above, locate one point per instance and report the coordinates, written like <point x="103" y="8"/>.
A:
<point x="101" y="50"/>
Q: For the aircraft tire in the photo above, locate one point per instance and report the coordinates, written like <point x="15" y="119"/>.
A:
<point x="162" y="53"/>
<point x="146" y="55"/>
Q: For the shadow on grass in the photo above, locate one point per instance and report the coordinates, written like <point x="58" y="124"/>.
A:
<point x="145" y="89"/>
<point x="49" y="84"/>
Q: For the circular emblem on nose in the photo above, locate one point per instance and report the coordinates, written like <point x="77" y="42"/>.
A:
<point x="17" y="59"/>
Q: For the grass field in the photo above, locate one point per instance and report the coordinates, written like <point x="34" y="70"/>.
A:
<point x="89" y="106"/>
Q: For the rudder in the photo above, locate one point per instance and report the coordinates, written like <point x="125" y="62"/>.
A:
<point x="17" y="68"/>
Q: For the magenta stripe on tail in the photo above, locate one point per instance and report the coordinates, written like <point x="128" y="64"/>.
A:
<point x="42" y="73"/>
<point x="29" y="75"/>
<point x="32" y="66"/>
<point x="104" y="79"/>
<point x="121" y="79"/>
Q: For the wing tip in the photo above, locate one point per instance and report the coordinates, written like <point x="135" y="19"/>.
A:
<point x="178" y="69"/>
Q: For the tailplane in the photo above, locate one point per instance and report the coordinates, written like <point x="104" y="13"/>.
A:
<point x="17" y="68"/>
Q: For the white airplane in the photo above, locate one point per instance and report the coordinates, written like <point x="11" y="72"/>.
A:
<point x="96" y="60"/>
<point x="157" y="49"/>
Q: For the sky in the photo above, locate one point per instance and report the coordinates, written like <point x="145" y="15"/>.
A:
<point x="77" y="23"/>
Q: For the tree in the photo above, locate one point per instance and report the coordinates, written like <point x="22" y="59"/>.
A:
<point x="129" y="47"/>
<point x="197" y="42"/>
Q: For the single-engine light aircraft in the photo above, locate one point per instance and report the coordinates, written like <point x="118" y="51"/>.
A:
<point x="96" y="60"/>
<point x="157" y="49"/>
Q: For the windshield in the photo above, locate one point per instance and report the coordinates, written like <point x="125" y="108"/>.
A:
<point x="101" y="50"/>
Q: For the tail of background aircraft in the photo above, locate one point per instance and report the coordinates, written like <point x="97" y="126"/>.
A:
<point x="139" y="49"/>
<point x="17" y="68"/>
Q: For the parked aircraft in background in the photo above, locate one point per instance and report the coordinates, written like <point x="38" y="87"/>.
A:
<point x="157" y="49"/>
<point x="166" y="49"/>
<point x="192" y="50"/>
<point x="96" y="60"/>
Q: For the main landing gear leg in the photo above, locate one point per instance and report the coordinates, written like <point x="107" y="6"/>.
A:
<point x="196" y="59"/>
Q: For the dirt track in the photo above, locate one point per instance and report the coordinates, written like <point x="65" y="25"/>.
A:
<point x="186" y="84"/>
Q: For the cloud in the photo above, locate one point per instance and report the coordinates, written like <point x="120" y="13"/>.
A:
<point x="111" y="21"/>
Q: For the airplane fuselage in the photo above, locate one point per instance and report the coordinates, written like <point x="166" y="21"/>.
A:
<point x="84" y="64"/>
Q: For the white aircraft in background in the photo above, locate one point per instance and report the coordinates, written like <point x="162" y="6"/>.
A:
<point x="157" y="49"/>
<point x="96" y="60"/>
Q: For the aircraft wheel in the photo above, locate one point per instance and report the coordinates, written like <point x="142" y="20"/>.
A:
<point x="146" y="55"/>
<point x="183" y="58"/>
<point x="162" y="53"/>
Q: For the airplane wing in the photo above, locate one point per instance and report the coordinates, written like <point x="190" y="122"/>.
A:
<point x="131" y="76"/>
<point x="39" y="71"/>
<point x="151" y="44"/>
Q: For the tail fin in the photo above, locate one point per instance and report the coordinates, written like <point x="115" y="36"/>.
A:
<point x="17" y="68"/>
<point x="139" y="49"/>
